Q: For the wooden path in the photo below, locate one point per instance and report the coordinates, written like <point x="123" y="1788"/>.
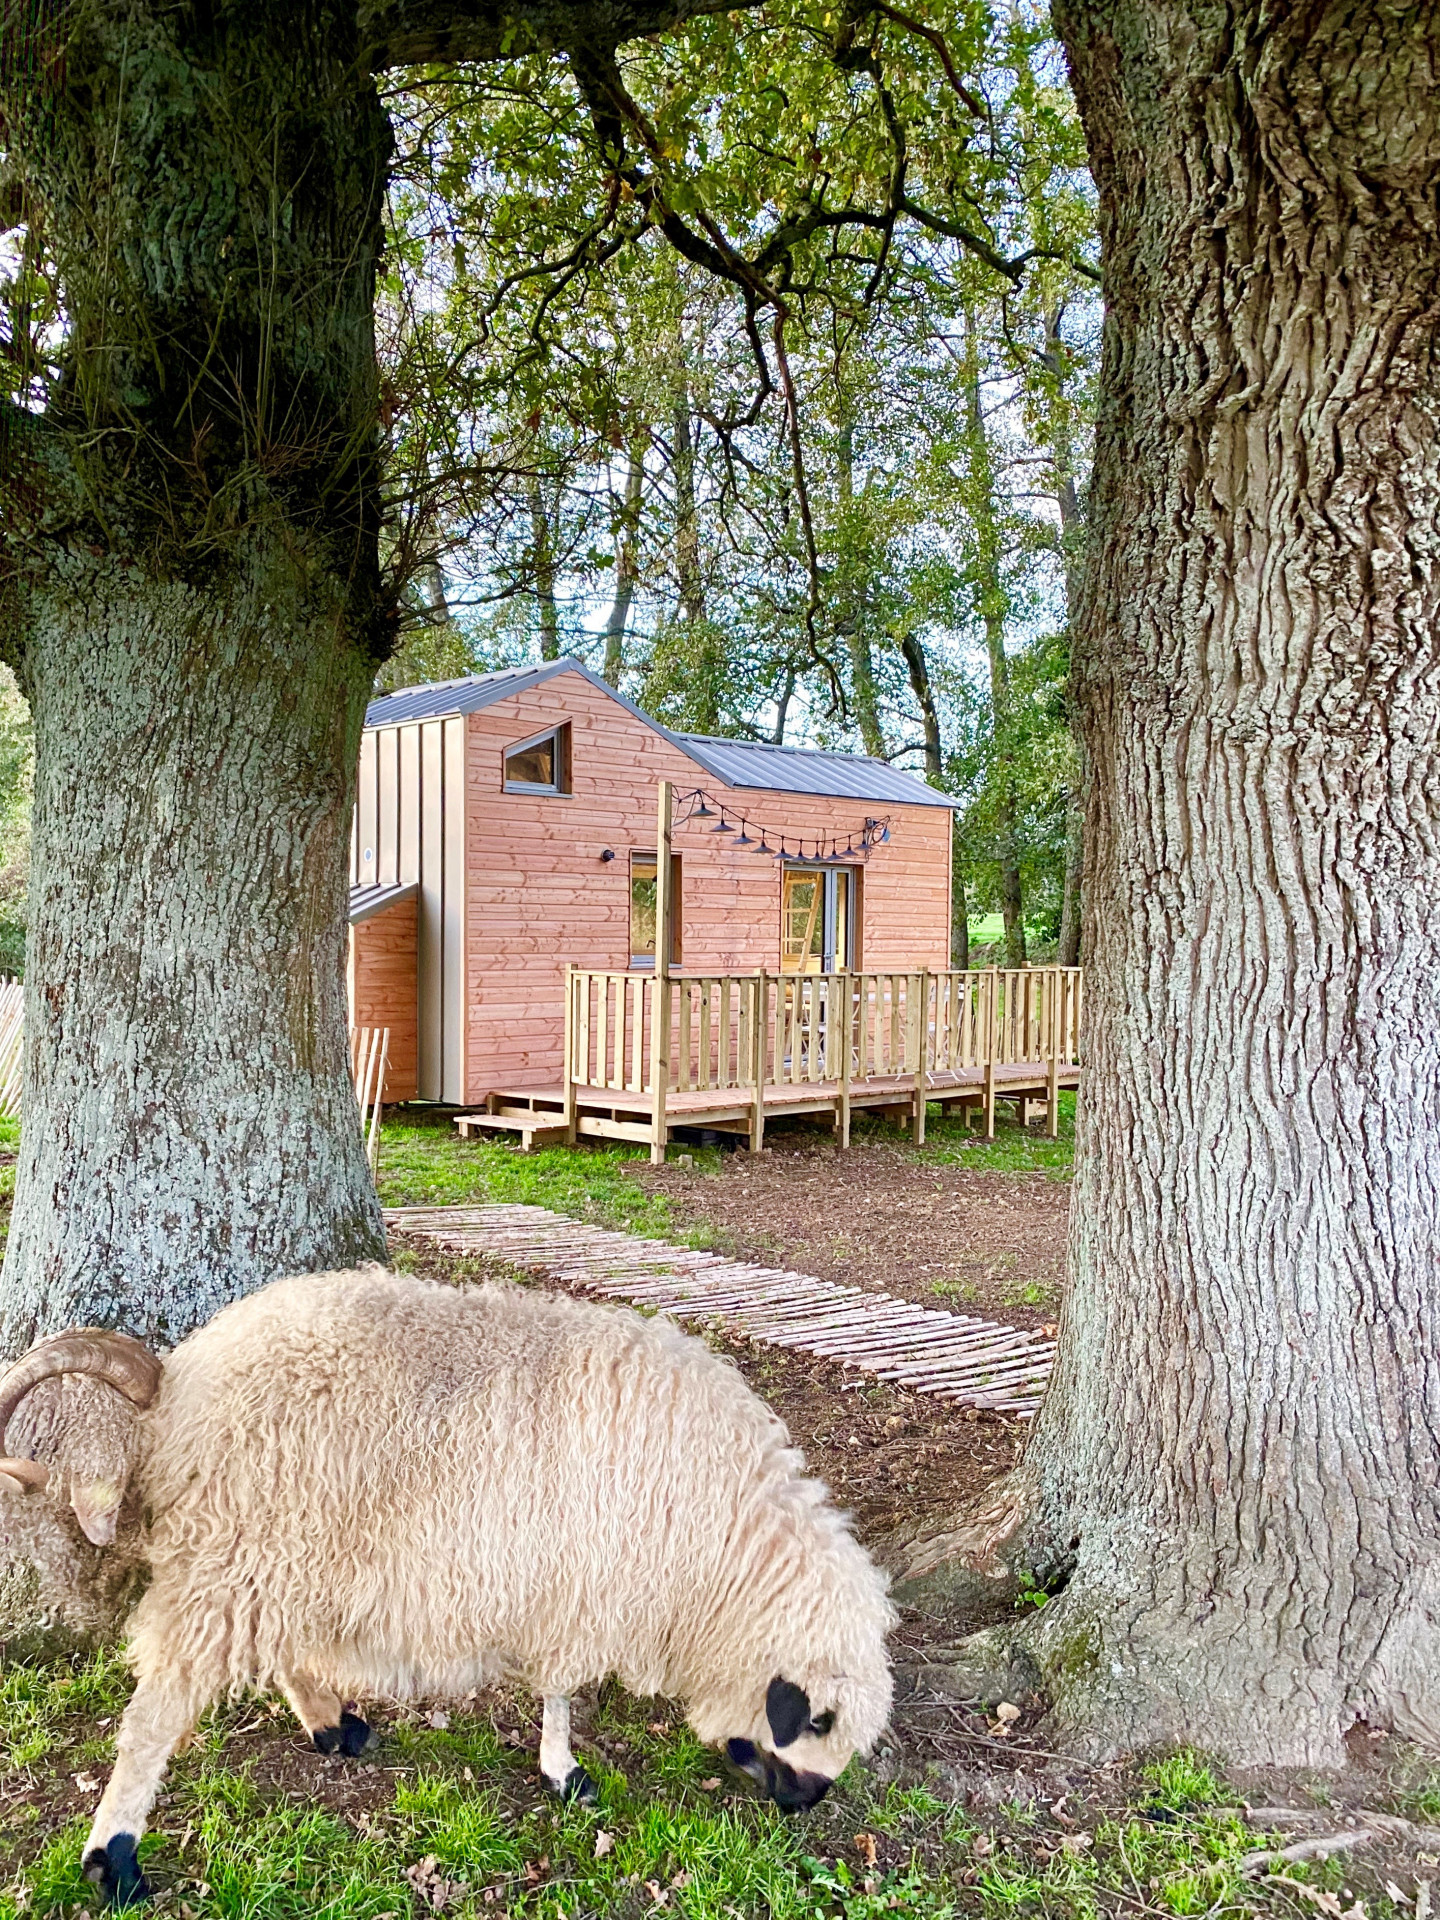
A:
<point x="951" y="1355"/>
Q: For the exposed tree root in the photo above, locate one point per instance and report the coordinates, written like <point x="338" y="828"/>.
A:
<point x="974" y="1566"/>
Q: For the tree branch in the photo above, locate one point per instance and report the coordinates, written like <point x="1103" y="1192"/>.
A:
<point x="408" y="33"/>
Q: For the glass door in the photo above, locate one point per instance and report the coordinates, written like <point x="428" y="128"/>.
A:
<point x="802" y="919"/>
<point x="817" y="919"/>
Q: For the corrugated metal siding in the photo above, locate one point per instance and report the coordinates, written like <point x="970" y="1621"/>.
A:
<point x="405" y="832"/>
<point x="366" y="901"/>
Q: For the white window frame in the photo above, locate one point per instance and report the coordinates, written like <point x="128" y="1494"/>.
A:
<point x="560" y="759"/>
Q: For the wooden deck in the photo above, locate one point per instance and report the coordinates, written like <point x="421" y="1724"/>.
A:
<point x="537" y="1115"/>
<point x="954" y="1356"/>
<point x="647" y="1053"/>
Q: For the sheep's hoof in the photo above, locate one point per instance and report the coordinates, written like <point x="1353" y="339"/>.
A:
<point x="351" y="1737"/>
<point x="115" y="1871"/>
<point x="577" y="1785"/>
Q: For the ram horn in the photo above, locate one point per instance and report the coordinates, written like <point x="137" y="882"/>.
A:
<point x="115" y="1358"/>
<point x="29" y="1473"/>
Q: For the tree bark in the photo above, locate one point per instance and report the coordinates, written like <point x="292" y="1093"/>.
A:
<point x="1067" y="946"/>
<point x="189" y="585"/>
<point x="918" y="668"/>
<point x="190" y="1126"/>
<point x="542" y="565"/>
<point x="993" y="608"/>
<point x="625" y="571"/>
<point x="704" y="651"/>
<point x="1239" y="1457"/>
<point x="1072" y="545"/>
<point x="853" y="625"/>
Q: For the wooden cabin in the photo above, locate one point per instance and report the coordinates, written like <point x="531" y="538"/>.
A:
<point x="505" y="831"/>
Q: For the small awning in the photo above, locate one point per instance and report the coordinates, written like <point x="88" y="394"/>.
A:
<point x="366" y="902"/>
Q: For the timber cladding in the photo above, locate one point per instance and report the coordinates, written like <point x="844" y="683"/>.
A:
<point x="540" y="897"/>
<point x="384" y="989"/>
<point x="513" y="886"/>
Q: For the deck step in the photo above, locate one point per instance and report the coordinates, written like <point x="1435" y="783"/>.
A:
<point x="535" y="1128"/>
<point x="951" y="1355"/>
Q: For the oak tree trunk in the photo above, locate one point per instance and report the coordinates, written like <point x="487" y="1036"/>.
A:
<point x="189" y="587"/>
<point x="1238" y="1461"/>
<point x="189" y="1129"/>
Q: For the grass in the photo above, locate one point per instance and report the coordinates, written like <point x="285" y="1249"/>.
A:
<point x="423" y="1162"/>
<point x="454" y="1821"/>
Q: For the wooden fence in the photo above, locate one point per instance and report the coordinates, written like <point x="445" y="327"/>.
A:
<point x="12" y="1046"/>
<point x="369" y="1057"/>
<point x="694" y="1043"/>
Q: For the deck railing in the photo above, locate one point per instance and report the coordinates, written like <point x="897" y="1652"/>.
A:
<point x="690" y="1034"/>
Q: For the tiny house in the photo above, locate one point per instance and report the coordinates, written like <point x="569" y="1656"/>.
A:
<point x="505" y="830"/>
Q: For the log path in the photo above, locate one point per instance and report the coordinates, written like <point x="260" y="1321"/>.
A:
<point x="951" y="1355"/>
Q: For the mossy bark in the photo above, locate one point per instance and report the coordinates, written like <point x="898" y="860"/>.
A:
<point x="190" y="590"/>
<point x="1238" y="1463"/>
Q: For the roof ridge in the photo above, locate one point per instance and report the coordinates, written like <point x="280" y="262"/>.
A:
<point x="784" y="746"/>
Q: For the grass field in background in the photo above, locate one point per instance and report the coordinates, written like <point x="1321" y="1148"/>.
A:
<point x="423" y="1162"/>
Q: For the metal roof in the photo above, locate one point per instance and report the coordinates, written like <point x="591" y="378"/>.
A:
<point x="848" y="776"/>
<point x="469" y="695"/>
<point x="366" y="901"/>
<point x="738" y="763"/>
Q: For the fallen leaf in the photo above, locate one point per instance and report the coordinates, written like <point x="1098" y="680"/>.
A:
<point x="709" y="1786"/>
<point x="865" y="1847"/>
<point x="439" y="1720"/>
<point x="86" y="1782"/>
<point x="658" y="1726"/>
<point x="982" y="1844"/>
<point x="656" y="1892"/>
<point x="603" y="1844"/>
<point x="681" y="1879"/>
<point x="1317" y="1896"/>
<point x="1005" y="1711"/>
<point x="1073" y="1843"/>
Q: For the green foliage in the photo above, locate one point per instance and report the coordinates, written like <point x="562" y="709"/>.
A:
<point x="1182" y="1779"/>
<point x="804" y="482"/>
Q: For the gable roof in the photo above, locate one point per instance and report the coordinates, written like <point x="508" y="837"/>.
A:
<point x="738" y="763"/>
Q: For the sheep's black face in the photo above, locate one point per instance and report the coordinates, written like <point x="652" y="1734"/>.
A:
<point x="791" y="1791"/>
<point x="790" y="1719"/>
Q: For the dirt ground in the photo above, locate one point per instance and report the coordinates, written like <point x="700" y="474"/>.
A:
<point x="951" y="1236"/>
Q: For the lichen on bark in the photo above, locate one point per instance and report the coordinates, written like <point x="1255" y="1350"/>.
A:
<point x="190" y="591"/>
<point x="1237" y="1467"/>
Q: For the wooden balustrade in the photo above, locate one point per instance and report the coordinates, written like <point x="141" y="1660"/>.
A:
<point x="735" y="1042"/>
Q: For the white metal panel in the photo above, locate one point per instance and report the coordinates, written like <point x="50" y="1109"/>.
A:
<point x="363" y="871"/>
<point x="454" y="955"/>
<point x="387" y="748"/>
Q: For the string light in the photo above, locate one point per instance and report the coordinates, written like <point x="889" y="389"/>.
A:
<point x="698" y="804"/>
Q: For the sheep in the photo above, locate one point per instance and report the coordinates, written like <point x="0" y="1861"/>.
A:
<point x="365" y="1484"/>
